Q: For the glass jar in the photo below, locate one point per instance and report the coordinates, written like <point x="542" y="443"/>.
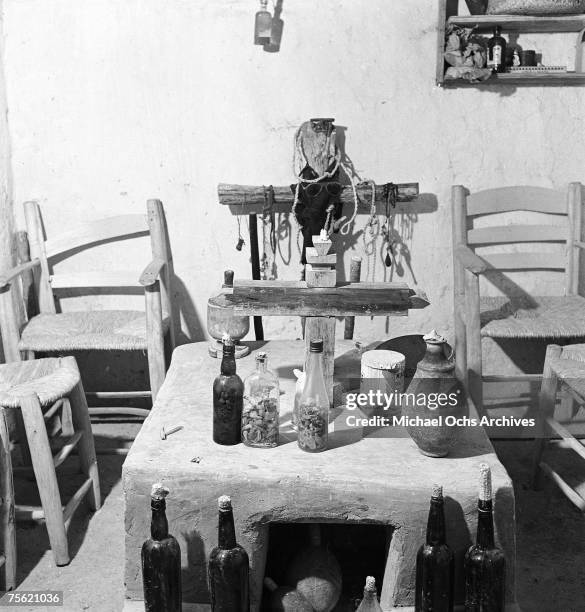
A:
<point x="313" y="407"/>
<point x="261" y="406"/>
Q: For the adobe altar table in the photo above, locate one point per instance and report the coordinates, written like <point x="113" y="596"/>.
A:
<point x="375" y="480"/>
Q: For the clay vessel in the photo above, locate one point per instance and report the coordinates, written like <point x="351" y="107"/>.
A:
<point x="434" y="396"/>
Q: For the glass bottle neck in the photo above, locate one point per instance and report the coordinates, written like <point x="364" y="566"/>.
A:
<point x="436" y="522"/>
<point x="159" y="526"/>
<point x="261" y="365"/>
<point x="485" y="524"/>
<point x="228" y="362"/>
<point x="226" y="532"/>
<point x="314" y="365"/>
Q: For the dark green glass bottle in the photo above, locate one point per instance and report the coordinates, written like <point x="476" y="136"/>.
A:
<point x="435" y="563"/>
<point x="485" y="564"/>
<point x="228" y="568"/>
<point x="161" y="560"/>
<point x="228" y="399"/>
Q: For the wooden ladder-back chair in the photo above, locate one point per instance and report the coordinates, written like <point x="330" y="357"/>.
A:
<point x="519" y="316"/>
<point x="113" y="330"/>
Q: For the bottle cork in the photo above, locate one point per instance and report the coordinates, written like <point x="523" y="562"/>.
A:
<point x="370" y="584"/>
<point x="224" y="502"/>
<point x="227" y="340"/>
<point x="158" y="492"/>
<point x="437" y="491"/>
<point x="485" y="482"/>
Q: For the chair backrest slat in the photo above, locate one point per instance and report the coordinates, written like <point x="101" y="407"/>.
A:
<point x="526" y="261"/>
<point x="506" y="234"/>
<point x="95" y="279"/>
<point x="506" y="199"/>
<point x="97" y="231"/>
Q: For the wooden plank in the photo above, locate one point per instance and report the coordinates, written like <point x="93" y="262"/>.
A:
<point x="36" y="240"/>
<point x="7" y="526"/>
<point x="575" y="209"/>
<point x="473" y="333"/>
<point x="559" y="79"/>
<point x="113" y="278"/>
<point x="249" y="199"/>
<point x="87" y="234"/>
<point x="155" y="338"/>
<point x="441" y="28"/>
<point x="505" y="234"/>
<point x="526" y="261"/>
<point x="506" y="199"/>
<point x="161" y="250"/>
<point x="75" y="500"/>
<point x="116" y="394"/>
<point x="467" y="259"/>
<point x="350" y="299"/>
<point x="15" y="272"/>
<point x="572" y="495"/>
<point x="9" y="327"/>
<point x="66" y="449"/>
<point x="28" y="298"/>
<point x="521" y="23"/>
<point x="151" y="274"/>
<point x="459" y="237"/>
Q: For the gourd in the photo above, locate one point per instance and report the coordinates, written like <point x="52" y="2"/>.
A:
<point x="285" y="598"/>
<point x="315" y="573"/>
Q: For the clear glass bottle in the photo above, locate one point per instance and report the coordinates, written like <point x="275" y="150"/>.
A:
<point x="261" y="406"/>
<point x="263" y="25"/>
<point x="313" y="409"/>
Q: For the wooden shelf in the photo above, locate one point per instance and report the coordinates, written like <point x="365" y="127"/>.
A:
<point x="521" y="23"/>
<point x="550" y="78"/>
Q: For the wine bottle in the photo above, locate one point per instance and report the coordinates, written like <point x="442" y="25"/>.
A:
<point x="228" y="566"/>
<point x="435" y="563"/>
<point x="370" y="601"/>
<point x="228" y="399"/>
<point x="161" y="560"/>
<point x="497" y="51"/>
<point x="485" y="564"/>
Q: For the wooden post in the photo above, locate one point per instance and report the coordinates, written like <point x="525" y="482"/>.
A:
<point x="29" y="301"/>
<point x="546" y="408"/>
<point x="459" y="222"/>
<point x="323" y="327"/>
<point x="160" y="250"/>
<point x="7" y="525"/>
<point x="9" y="325"/>
<point x="36" y="241"/>
<point x="258" y="329"/>
<point x="355" y="273"/>
<point x="42" y="460"/>
<point x="154" y="338"/>
<point x="473" y="329"/>
<point x="575" y="219"/>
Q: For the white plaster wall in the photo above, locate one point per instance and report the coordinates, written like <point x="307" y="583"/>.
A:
<point x="113" y="102"/>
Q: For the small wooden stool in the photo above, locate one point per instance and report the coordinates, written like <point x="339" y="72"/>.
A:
<point x="40" y="389"/>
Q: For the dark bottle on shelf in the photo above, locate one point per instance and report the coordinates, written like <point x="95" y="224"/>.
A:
<point x="485" y="564"/>
<point x="497" y="51"/>
<point x="161" y="560"/>
<point x="435" y="563"/>
<point x="228" y="566"/>
<point x="228" y="399"/>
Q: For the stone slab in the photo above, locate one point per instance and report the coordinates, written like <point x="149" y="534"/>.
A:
<point x="375" y="479"/>
<point x="314" y="258"/>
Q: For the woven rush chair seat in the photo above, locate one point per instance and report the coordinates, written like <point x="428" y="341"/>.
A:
<point x="533" y="317"/>
<point x="123" y="330"/>
<point x="48" y="379"/>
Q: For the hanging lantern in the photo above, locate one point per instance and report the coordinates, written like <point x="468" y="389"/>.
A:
<point x="263" y="26"/>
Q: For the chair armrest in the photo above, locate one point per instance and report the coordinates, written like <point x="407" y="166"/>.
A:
<point x="469" y="260"/>
<point x="151" y="273"/>
<point x="11" y="274"/>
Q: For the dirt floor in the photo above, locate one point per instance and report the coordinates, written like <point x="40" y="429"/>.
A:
<point x="551" y="538"/>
